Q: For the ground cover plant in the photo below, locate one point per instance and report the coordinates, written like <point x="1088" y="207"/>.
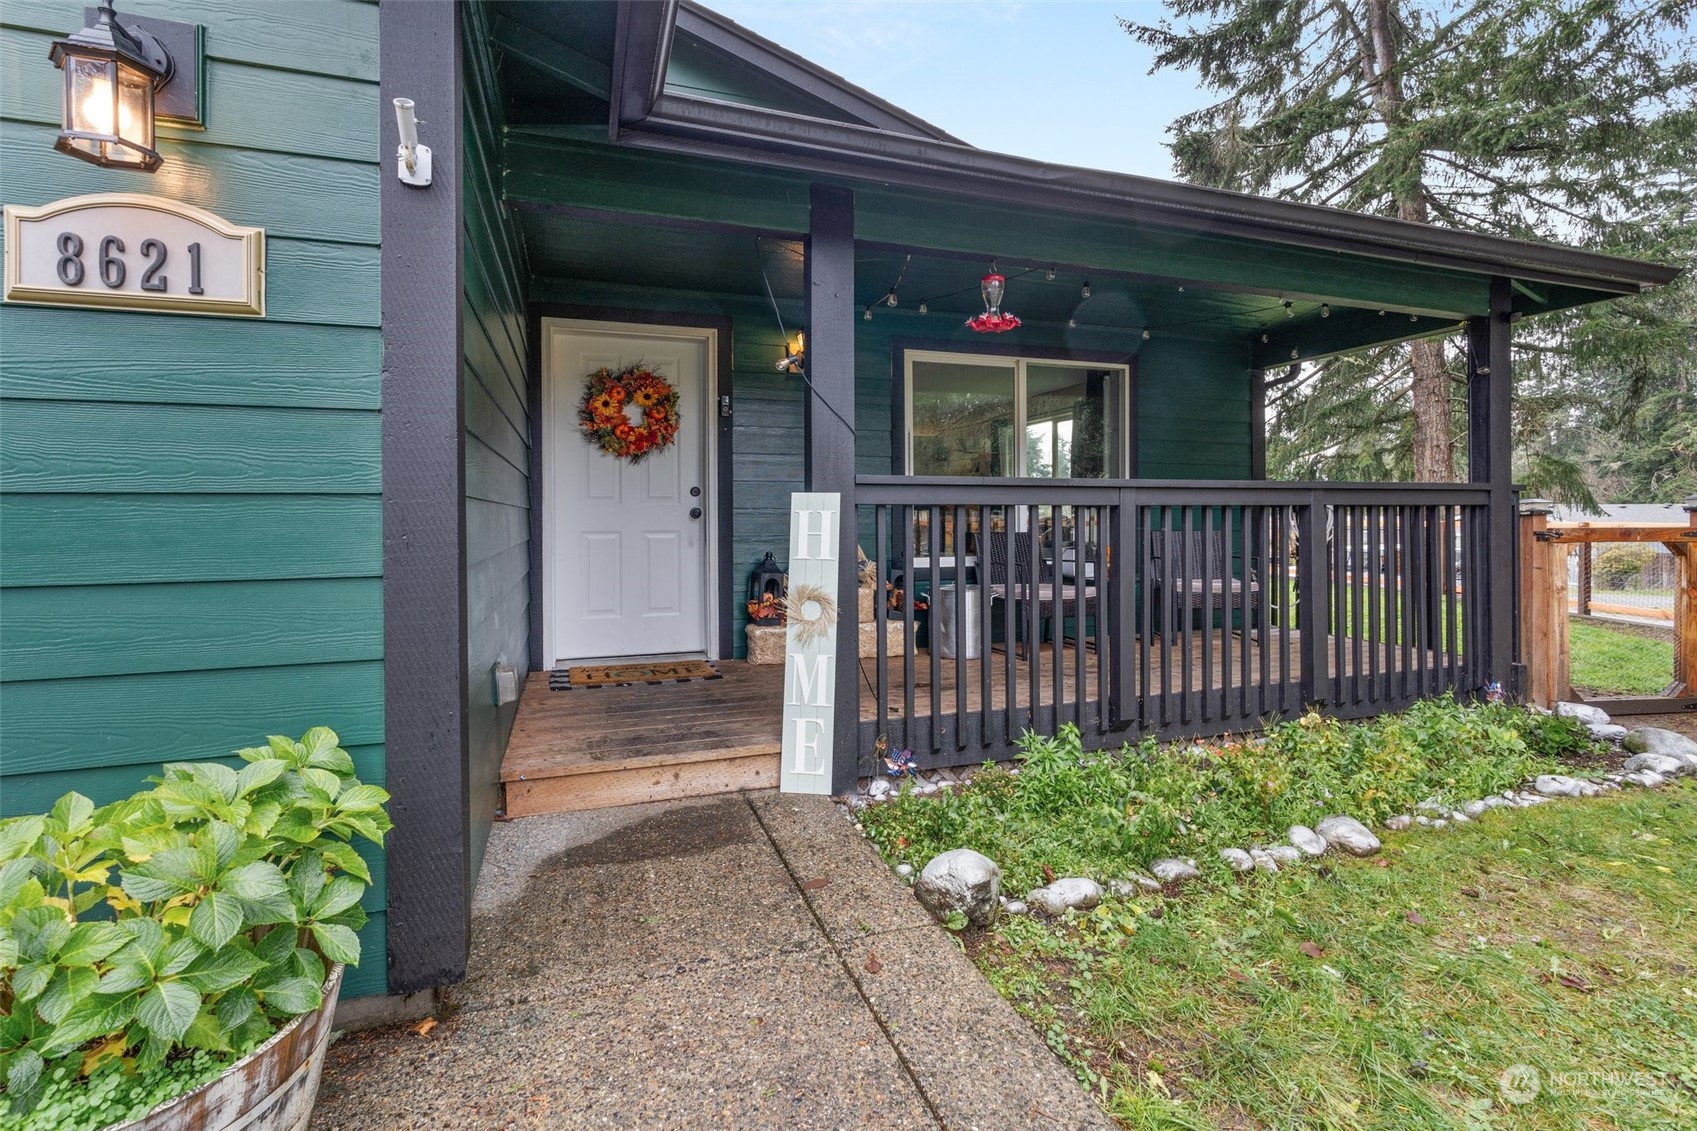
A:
<point x="1102" y="814"/>
<point x="1619" y="661"/>
<point x="148" y="944"/>
<point x="1530" y="969"/>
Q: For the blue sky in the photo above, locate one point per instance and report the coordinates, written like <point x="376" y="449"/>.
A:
<point x="1056" y="80"/>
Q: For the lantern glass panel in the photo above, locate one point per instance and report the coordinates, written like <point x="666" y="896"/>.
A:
<point x="135" y="106"/>
<point x="90" y="100"/>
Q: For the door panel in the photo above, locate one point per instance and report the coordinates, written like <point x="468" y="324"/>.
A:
<point x="628" y="568"/>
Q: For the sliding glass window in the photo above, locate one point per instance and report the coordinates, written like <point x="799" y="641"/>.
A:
<point x="991" y="416"/>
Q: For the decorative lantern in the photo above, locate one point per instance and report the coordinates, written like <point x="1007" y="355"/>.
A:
<point x="993" y="321"/>
<point x="111" y="75"/>
<point x="766" y="592"/>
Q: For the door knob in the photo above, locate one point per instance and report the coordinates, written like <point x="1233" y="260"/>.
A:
<point x="695" y="512"/>
<point x="695" y="492"/>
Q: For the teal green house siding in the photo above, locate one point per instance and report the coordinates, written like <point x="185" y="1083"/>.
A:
<point x="190" y="552"/>
<point x="497" y="433"/>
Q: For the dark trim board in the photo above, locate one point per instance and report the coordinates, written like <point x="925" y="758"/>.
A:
<point x="425" y="705"/>
<point x="723" y="472"/>
<point x="898" y="376"/>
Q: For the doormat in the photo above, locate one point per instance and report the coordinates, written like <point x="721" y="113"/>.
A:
<point x="580" y="676"/>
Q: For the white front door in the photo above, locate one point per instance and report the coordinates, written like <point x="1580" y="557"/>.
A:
<point x="626" y="570"/>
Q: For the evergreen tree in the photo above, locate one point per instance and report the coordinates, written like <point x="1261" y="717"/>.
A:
<point x="1571" y="120"/>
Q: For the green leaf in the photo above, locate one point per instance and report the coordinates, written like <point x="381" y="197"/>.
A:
<point x="322" y="780"/>
<point x="122" y="979"/>
<point x="259" y="773"/>
<point x="178" y="955"/>
<point x="277" y="946"/>
<point x="237" y="1006"/>
<point x="347" y="858"/>
<point x="263" y="891"/>
<point x="216" y="775"/>
<point x="339" y="895"/>
<point x="297" y="824"/>
<point x="226" y="841"/>
<point x="288" y="750"/>
<point x="339" y="943"/>
<point x="147" y="937"/>
<point x="215" y="973"/>
<point x="72" y="812"/>
<point x="215" y="920"/>
<point x="19" y="835"/>
<point x="324" y="751"/>
<point x="23" y="1074"/>
<point x="67" y="989"/>
<point x="361" y="798"/>
<point x="14" y="874"/>
<point x="167" y="1009"/>
<point x="292" y="995"/>
<point x="40" y="932"/>
<point x="95" y="1016"/>
<point x="165" y="875"/>
<point x="88" y="943"/>
<point x="31" y="979"/>
<point x="205" y="1032"/>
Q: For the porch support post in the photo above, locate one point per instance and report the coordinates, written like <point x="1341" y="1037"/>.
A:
<point x="424" y="536"/>
<point x="1490" y="453"/>
<point x="830" y="439"/>
<point x="1257" y="424"/>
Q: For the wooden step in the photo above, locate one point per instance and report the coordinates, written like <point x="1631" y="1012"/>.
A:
<point x="632" y="781"/>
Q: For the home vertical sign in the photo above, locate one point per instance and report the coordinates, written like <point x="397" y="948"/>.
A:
<point x="810" y="651"/>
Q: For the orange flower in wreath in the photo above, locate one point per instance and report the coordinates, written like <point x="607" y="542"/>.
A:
<point x="601" y="413"/>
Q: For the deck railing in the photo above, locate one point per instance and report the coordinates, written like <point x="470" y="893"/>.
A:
<point x="1168" y="608"/>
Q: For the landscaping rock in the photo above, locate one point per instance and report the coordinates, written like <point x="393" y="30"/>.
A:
<point x="904" y="870"/>
<point x="1609" y="732"/>
<point x="1172" y="870"/>
<point x="1137" y="883"/>
<point x="1649" y="779"/>
<point x="1237" y="859"/>
<point x="880" y="789"/>
<point x="1669" y="744"/>
<point x="1399" y="822"/>
<point x="1349" y="834"/>
<point x="1440" y="823"/>
<point x="1308" y="840"/>
<point x="1017" y="907"/>
<point x="1073" y="893"/>
<point x="1474" y="808"/>
<point x="961" y="880"/>
<point x="1663" y="764"/>
<point x="1584" y="712"/>
<point x="1285" y="854"/>
<point x="1558" y="785"/>
<point x="1262" y="861"/>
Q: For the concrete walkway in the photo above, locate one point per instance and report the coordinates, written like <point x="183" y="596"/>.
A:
<point x="744" y="961"/>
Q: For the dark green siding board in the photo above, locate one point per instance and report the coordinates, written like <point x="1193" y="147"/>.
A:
<point x="60" y="632"/>
<point x="182" y="716"/>
<point x="498" y="423"/>
<point x="371" y="977"/>
<point x="166" y="361"/>
<point x="491" y="478"/>
<point x="78" y="448"/>
<point x="257" y="107"/>
<point x="113" y="539"/>
<point x="291" y="197"/>
<point x="327" y="38"/>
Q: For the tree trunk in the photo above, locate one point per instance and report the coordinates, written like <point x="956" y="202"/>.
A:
<point x="1434" y="460"/>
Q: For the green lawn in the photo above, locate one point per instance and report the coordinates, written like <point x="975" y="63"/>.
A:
<point x="1394" y="992"/>
<point x="1618" y="662"/>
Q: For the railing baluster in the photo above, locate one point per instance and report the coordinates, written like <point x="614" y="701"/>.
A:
<point x="881" y="612"/>
<point x="986" y="682"/>
<point x="958" y="629"/>
<point x="910" y="642"/>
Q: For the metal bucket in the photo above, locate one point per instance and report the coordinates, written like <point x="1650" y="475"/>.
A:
<point x="270" y="1089"/>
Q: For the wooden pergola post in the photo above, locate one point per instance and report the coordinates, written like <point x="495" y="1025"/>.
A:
<point x="1685" y="604"/>
<point x="1543" y="607"/>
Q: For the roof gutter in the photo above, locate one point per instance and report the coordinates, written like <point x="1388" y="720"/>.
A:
<point x="704" y="127"/>
<point x="642" y="42"/>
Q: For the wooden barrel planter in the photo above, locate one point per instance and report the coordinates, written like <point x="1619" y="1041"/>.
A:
<point x="270" y="1089"/>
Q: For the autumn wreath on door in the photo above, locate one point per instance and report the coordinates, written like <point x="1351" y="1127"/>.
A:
<point x="629" y="413"/>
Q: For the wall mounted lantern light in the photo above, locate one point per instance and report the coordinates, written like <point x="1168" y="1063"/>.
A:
<point x="796" y="354"/>
<point x="112" y="73"/>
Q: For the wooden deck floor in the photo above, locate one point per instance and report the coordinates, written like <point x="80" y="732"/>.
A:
<point x="623" y="745"/>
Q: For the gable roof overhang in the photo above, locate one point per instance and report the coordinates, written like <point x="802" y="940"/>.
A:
<point x="646" y="115"/>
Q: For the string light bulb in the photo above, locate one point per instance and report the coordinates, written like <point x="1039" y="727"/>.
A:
<point x="1263" y="339"/>
<point x="867" y="317"/>
<point x="1084" y="291"/>
<point x="1290" y="311"/>
<point x="1049" y="275"/>
<point x="1072" y="323"/>
<point x="890" y="299"/>
<point x="1294" y="353"/>
<point x="923" y="308"/>
<point x="1146" y="334"/>
<point x="1414" y="318"/>
<point x="1325" y="310"/>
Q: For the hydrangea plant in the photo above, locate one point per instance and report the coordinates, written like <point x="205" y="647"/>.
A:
<point x="195" y="915"/>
